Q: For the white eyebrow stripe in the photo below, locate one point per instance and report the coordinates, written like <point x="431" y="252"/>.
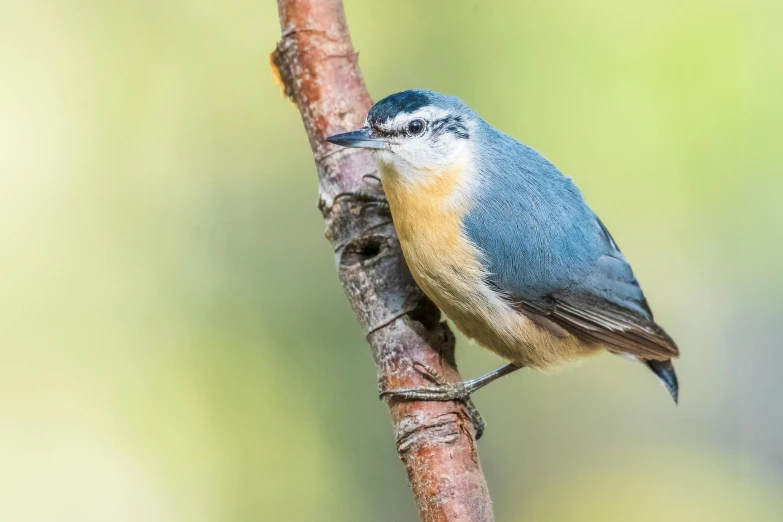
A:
<point x="426" y="113"/>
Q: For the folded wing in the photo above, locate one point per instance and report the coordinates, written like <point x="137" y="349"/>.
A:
<point x="607" y="307"/>
<point x="549" y="254"/>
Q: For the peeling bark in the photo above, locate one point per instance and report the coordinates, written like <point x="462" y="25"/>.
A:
<point x="316" y="66"/>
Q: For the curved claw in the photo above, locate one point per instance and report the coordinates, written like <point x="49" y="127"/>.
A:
<point x="460" y="391"/>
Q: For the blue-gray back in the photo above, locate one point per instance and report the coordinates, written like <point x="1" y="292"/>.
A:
<point x="537" y="232"/>
<point x="551" y="255"/>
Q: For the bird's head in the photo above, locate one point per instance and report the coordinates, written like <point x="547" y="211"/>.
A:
<point x="415" y="131"/>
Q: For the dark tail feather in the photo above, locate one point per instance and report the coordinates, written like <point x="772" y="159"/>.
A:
<point x="665" y="372"/>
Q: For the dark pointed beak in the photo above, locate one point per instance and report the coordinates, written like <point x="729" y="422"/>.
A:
<point x="362" y="139"/>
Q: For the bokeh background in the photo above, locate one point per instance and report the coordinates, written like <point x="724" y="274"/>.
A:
<point x="174" y="345"/>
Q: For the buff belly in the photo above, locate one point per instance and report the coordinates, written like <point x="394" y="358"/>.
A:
<point x="428" y="219"/>
<point x="492" y="323"/>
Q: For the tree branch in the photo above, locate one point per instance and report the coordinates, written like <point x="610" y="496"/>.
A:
<point x="317" y="68"/>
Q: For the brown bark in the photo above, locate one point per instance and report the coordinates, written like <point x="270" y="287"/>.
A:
<point x="317" y="67"/>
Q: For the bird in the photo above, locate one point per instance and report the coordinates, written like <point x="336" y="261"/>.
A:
<point x="504" y="244"/>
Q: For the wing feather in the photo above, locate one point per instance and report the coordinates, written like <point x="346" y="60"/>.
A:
<point x="601" y="321"/>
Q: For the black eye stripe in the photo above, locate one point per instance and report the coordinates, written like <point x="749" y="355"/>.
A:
<point x="437" y="125"/>
<point x="452" y="124"/>
<point x="388" y="133"/>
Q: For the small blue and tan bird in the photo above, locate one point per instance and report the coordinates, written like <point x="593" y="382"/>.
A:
<point x="504" y="244"/>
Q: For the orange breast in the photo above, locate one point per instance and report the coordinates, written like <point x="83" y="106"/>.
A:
<point x="428" y="213"/>
<point x="428" y="217"/>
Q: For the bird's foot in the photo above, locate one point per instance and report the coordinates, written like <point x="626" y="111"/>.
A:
<point x="450" y="392"/>
<point x="442" y="391"/>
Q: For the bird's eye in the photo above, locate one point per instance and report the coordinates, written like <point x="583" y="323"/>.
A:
<point x="416" y="127"/>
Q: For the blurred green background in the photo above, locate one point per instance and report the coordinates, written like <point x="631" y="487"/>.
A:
<point x="174" y="344"/>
